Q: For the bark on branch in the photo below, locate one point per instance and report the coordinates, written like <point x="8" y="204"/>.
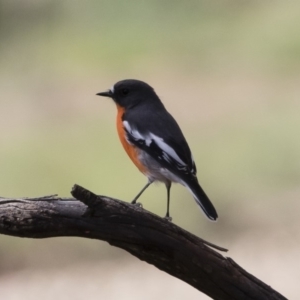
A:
<point x="141" y="233"/>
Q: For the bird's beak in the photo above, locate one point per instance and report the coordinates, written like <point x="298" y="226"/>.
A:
<point x="105" y="94"/>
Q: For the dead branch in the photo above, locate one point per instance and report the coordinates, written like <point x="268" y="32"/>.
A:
<point x="141" y="233"/>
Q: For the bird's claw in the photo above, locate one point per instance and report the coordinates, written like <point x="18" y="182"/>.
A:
<point x="168" y="218"/>
<point x="137" y="204"/>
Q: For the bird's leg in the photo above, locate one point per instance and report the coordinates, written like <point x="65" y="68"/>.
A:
<point x="168" y="186"/>
<point x="141" y="192"/>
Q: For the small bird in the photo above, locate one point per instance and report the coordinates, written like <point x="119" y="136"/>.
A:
<point x="154" y="142"/>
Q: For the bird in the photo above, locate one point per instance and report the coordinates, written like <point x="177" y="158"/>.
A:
<point x="154" y="141"/>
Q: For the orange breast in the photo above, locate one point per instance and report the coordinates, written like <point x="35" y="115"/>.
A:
<point x="130" y="149"/>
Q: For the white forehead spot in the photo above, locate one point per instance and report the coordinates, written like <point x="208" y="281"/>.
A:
<point x="112" y="89"/>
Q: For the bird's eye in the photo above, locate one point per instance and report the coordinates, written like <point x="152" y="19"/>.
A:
<point x="125" y="91"/>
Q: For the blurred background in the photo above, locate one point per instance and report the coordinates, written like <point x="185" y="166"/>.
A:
<point x="228" y="71"/>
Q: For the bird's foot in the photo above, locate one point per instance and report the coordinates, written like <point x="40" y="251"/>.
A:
<point x="137" y="204"/>
<point x="168" y="218"/>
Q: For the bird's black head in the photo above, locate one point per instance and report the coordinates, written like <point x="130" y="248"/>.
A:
<point x="130" y="92"/>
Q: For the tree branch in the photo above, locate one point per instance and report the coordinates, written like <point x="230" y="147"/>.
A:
<point x="141" y="233"/>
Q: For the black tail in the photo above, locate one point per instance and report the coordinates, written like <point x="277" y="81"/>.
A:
<point x="202" y="200"/>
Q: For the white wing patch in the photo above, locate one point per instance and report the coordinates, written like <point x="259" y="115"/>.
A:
<point x="167" y="150"/>
<point x="168" y="153"/>
<point x="135" y="134"/>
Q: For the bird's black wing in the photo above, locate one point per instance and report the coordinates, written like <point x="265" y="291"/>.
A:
<point x="161" y="138"/>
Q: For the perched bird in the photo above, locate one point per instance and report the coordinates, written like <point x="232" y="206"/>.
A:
<point x="154" y="142"/>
